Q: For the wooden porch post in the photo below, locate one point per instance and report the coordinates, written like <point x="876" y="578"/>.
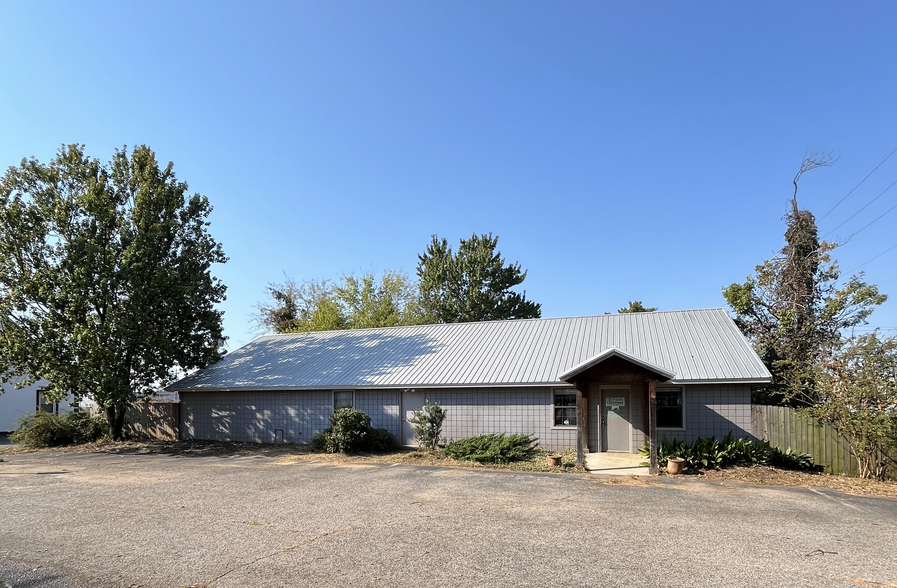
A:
<point x="652" y="423"/>
<point x="579" y="424"/>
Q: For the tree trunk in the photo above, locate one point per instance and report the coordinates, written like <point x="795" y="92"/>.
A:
<point x="115" y="416"/>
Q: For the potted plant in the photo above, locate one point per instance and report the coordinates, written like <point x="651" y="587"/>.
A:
<point x="675" y="465"/>
<point x="554" y="461"/>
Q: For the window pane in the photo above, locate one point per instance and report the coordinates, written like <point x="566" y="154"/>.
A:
<point x="343" y="400"/>
<point x="669" y="408"/>
<point x="564" y="408"/>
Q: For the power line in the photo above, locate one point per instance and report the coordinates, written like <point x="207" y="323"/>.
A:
<point x="871" y="260"/>
<point x="860" y="210"/>
<point x="872" y="223"/>
<point x="860" y="184"/>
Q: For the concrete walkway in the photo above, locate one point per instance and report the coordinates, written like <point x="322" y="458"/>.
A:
<point x="615" y="464"/>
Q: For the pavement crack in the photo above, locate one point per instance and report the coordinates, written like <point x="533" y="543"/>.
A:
<point x="286" y="550"/>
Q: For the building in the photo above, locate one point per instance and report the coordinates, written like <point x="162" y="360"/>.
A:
<point x="589" y="378"/>
<point x="18" y="403"/>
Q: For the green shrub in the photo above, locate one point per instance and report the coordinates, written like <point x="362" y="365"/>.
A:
<point x="709" y="453"/>
<point x="494" y="448"/>
<point x="381" y="441"/>
<point x="350" y="431"/>
<point x="427" y="425"/>
<point x="43" y="429"/>
<point x="791" y="460"/>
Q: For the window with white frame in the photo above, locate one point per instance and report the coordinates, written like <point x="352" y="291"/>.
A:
<point x="670" y="414"/>
<point x="564" y="408"/>
<point x="343" y="399"/>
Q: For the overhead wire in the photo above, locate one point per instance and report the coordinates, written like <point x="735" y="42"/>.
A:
<point x="860" y="184"/>
<point x="860" y="210"/>
<point x="871" y="260"/>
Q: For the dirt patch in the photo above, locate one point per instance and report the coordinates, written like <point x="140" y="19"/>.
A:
<point x="288" y="454"/>
<point x="767" y="476"/>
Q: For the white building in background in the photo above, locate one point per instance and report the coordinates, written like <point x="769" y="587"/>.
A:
<point x="15" y="404"/>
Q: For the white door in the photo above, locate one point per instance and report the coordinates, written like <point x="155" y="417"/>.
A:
<point x="411" y="401"/>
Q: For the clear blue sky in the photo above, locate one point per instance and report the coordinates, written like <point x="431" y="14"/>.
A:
<point x="620" y="150"/>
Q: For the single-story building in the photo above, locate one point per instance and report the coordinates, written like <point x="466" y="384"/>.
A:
<point x="562" y="379"/>
<point x="17" y="403"/>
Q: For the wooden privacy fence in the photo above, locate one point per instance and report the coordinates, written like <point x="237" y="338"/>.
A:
<point x="159" y="421"/>
<point x="784" y="427"/>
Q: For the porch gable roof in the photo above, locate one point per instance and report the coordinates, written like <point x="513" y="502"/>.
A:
<point x="663" y="373"/>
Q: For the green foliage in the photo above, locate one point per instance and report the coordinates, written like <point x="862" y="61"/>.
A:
<point x="709" y="453"/>
<point x="105" y="281"/>
<point x="427" y="425"/>
<point x="792" y="309"/>
<point x="858" y="392"/>
<point x="636" y="306"/>
<point x="493" y="448"/>
<point x="349" y="428"/>
<point x="789" y="459"/>
<point x="381" y="441"/>
<point x="350" y="432"/>
<point x="355" y="302"/>
<point x="472" y="285"/>
<point x="43" y="429"/>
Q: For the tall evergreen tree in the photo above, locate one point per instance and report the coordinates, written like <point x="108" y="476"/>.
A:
<point x="474" y="284"/>
<point x="636" y="306"/>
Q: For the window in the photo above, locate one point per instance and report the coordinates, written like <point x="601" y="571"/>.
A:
<point x="343" y="400"/>
<point x="564" y="408"/>
<point x="669" y="408"/>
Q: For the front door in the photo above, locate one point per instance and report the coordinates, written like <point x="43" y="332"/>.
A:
<point x="616" y="431"/>
<point x="411" y="401"/>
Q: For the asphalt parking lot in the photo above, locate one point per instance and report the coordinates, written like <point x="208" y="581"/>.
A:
<point x="73" y="520"/>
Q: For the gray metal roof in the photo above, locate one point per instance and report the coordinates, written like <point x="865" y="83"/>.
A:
<point x="695" y="345"/>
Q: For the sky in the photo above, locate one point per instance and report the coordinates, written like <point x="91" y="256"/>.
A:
<point x="620" y="151"/>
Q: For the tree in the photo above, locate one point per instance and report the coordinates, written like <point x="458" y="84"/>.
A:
<point x="105" y="281"/>
<point x="792" y="308"/>
<point x="391" y="303"/>
<point x="356" y="302"/>
<point x="636" y="306"/>
<point x="472" y="285"/>
<point x="858" y="398"/>
<point x="293" y="307"/>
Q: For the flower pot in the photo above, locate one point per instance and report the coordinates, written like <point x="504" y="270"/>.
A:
<point x="554" y="461"/>
<point x="675" y="465"/>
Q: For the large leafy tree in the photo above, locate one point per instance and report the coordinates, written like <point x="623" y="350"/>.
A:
<point x="857" y="385"/>
<point x="354" y="302"/>
<point x="105" y="277"/>
<point x="474" y="284"/>
<point x="793" y="308"/>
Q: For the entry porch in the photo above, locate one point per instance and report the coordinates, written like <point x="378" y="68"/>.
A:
<point x="616" y="404"/>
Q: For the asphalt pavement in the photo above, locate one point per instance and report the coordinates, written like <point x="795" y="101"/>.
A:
<point x="85" y="520"/>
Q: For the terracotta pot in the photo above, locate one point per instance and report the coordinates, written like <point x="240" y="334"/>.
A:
<point x="675" y="465"/>
<point x="554" y="461"/>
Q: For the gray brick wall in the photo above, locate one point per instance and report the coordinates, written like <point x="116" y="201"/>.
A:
<point x="714" y="410"/>
<point x="383" y="408"/>
<point x="255" y="416"/>
<point x="478" y="411"/>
